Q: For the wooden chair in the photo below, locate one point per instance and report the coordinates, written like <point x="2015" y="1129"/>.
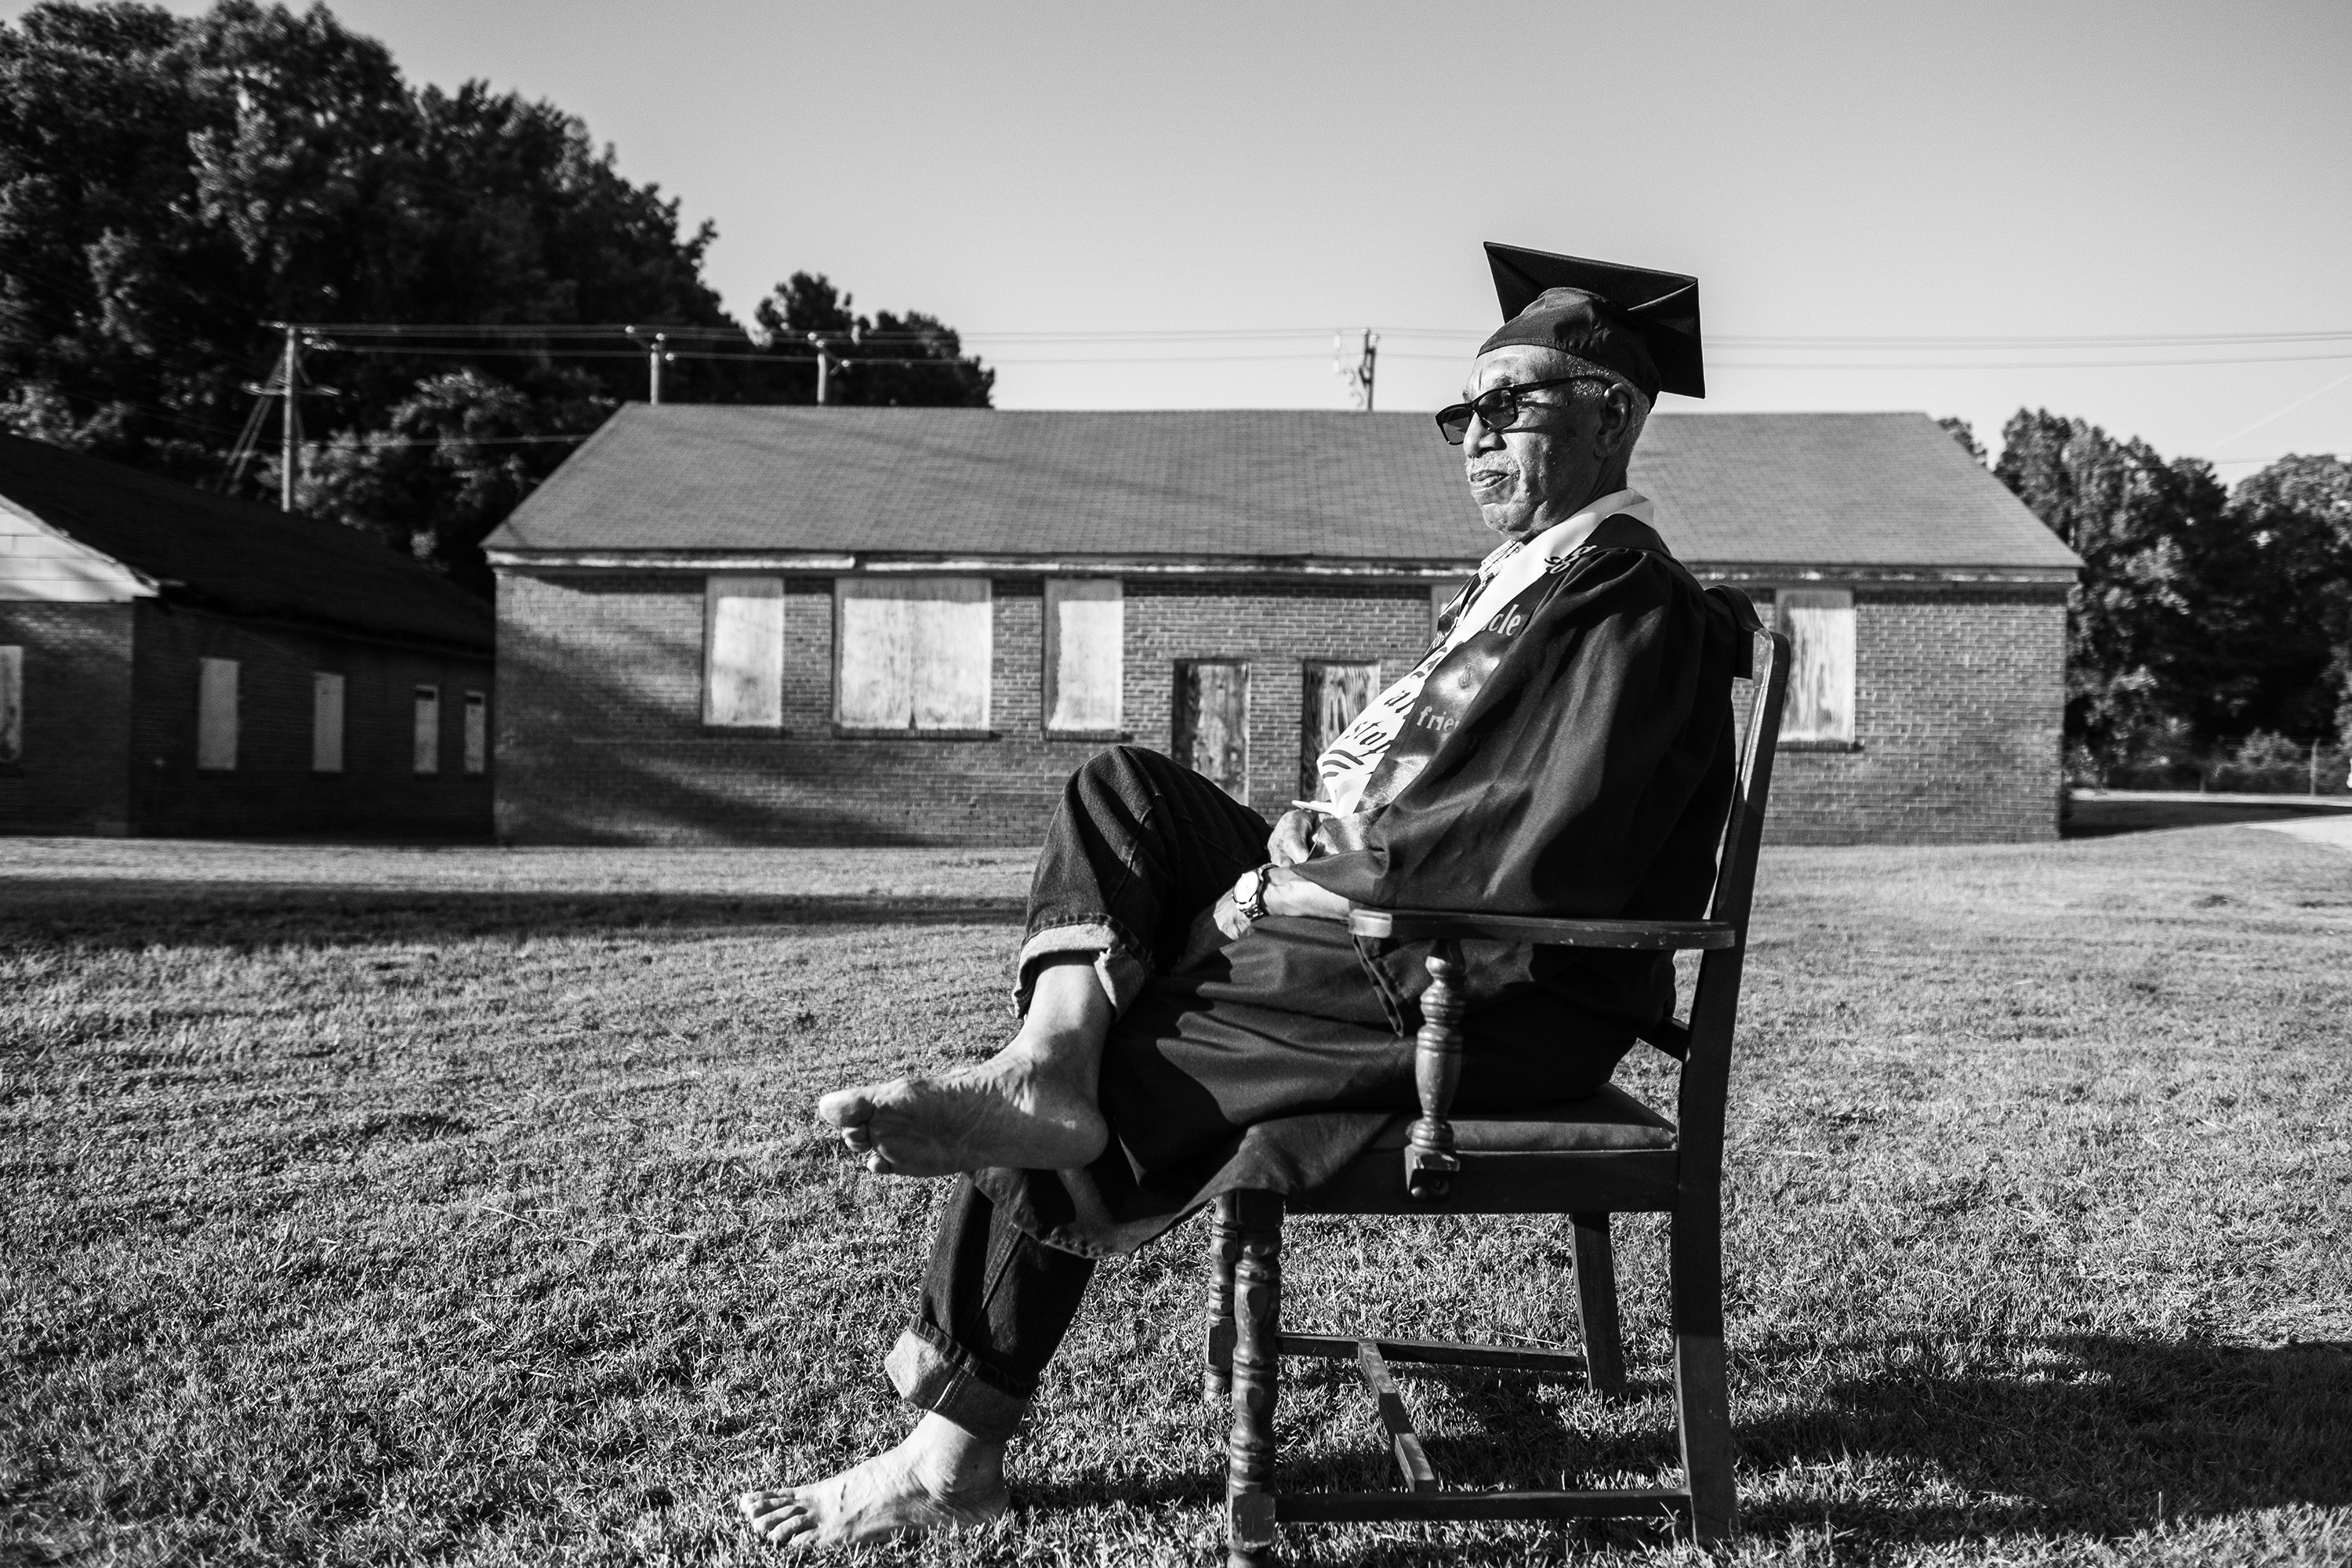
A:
<point x="1607" y="1154"/>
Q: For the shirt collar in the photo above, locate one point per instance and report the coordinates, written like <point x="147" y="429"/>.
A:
<point x="1562" y="537"/>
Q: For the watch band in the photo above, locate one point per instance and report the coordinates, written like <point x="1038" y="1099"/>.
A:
<point x="1253" y="908"/>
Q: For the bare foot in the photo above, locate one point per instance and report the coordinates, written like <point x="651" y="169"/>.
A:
<point x="893" y="1493"/>
<point x="1013" y="1111"/>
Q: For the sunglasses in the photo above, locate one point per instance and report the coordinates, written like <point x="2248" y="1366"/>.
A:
<point x="1497" y="408"/>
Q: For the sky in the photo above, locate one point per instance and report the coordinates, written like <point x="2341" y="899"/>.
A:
<point x="1856" y="170"/>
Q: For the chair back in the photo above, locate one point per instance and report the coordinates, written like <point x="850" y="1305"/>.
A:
<point x="1714" y="1004"/>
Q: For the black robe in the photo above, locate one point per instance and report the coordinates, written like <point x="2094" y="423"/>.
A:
<point x="1588" y="775"/>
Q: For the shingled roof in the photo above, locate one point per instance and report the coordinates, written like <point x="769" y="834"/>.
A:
<point x="237" y="556"/>
<point x="1773" y="491"/>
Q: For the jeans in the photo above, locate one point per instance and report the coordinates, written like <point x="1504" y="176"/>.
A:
<point x="1139" y="848"/>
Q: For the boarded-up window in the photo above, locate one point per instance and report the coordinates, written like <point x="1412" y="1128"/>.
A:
<point x="12" y="705"/>
<point x="1210" y="729"/>
<point x="1440" y="595"/>
<point x="326" y="722"/>
<point x="478" y="732"/>
<point x="1818" y="622"/>
<point x="1085" y="648"/>
<point x="1334" y="694"/>
<point x="428" y="729"/>
<point x="911" y="653"/>
<point x="217" y="714"/>
<point x="743" y="650"/>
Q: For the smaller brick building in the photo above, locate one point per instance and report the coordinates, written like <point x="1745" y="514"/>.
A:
<point x="176" y="662"/>
<point x="835" y="625"/>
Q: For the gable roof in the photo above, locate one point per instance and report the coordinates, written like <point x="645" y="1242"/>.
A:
<point x="238" y="557"/>
<point x="1281" y="488"/>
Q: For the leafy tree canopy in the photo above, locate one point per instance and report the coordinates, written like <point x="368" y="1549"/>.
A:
<point x="2200" y="615"/>
<point x="170" y="185"/>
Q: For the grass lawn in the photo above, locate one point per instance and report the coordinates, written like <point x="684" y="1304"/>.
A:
<point x="378" y="1206"/>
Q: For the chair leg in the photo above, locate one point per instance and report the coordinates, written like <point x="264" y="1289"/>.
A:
<point x="1703" y="1400"/>
<point x="1225" y="1251"/>
<point x="1596" y="1304"/>
<point x="1257" y="1380"/>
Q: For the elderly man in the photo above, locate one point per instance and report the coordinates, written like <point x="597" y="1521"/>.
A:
<point x="1196" y="1018"/>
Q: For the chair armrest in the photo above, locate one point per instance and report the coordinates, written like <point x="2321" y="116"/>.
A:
<point x="1416" y="925"/>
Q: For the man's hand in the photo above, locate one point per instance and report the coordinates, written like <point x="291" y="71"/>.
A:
<point x="1294" y="838"/>
<point x="1227" y="912"/>
<point x="1288" y="893"/>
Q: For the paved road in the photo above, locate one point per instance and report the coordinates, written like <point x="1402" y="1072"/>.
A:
<point x="2336" y="832"/>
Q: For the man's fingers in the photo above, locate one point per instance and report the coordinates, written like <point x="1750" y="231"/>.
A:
<point x="1294" y="836"/>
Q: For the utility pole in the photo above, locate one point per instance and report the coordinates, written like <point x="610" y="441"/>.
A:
<point x="290" y="446"/>
<point x="1358" y="375"/>
<point x="823" y="366"/>
<point x="657" y="347"/>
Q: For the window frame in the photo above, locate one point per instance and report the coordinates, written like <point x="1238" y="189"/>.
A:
<point x="1830" y="598"/>
<point x="983" y="593"/>
<point x="12" y="707"/>
<point x="475" y="741"/>
<point x="322" y="682"/>
<point x="211" y="690"/>
<point x="714" y="592"/>
<point x="424" y="756"/>
<point x="1059" y="591"/>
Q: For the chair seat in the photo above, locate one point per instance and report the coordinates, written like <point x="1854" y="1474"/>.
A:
<point x="1607" y="1150"/>
<point x="1612" y="1119"/>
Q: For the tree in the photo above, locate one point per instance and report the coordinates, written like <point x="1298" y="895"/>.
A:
<point x="869" y="354"/>
<point x="2298" y="511"/>
<point x="1960" y="430"/>
<point x="2199" y="615"/>
<point x="169" y="185"/>
<point x="2126" y="511"/>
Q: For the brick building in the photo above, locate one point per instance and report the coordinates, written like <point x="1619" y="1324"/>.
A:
<point x="176" y="662"/>
<point x="805" y="625"/>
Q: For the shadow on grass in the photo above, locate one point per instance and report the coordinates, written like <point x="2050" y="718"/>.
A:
<point x="2088" y="1445"/>
<point x="2104" y="1436"/>
<point x="78" y="914"/>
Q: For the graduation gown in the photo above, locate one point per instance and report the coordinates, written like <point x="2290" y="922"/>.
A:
<point x="1574" y="758"/>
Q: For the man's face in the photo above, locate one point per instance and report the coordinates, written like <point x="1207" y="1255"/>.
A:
<point x="1546" y="466"/>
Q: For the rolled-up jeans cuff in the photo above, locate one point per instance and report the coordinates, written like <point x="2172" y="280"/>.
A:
<point x="1122" y="973"/>
<point x="943" y="1380"/>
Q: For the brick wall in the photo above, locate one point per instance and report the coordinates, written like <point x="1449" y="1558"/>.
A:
<point x="273" y="789"/>
<point x="74" y="776"/>
<point x="601" y="738"/>
<point x="1958" y="713"/>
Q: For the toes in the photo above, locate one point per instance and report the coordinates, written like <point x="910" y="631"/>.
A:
<point x="879" y="1163"/>
<point x="845" y="1108"/>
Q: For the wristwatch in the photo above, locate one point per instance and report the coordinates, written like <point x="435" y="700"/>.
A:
<point x="1249" y="893"/>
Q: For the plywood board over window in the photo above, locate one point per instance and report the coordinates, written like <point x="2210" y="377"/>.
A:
<point x="743" y="651"/>
<point x="217" y="714"/>
<point x="478" y="732"/>
<point x="428" y="729"/>
<point x="1441" y="595"/>
<point x="1211" y="724"/>
<point x="912" y="654"/>
<point x="1818" y="623"/>
<point x="326" y="721"/>
<point x="12" y="705"/>
<point x="1334" y="692"/>
<point x="1086" y="655"/>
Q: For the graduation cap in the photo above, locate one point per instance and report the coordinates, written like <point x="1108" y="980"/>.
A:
<point x="1642" y="324"/>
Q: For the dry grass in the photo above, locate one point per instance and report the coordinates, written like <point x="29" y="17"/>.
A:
<point x="379" y="1205"/>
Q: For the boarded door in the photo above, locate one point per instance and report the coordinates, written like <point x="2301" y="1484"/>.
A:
<point x="1211" y="727"/>
<point x="1334" y="694"/>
